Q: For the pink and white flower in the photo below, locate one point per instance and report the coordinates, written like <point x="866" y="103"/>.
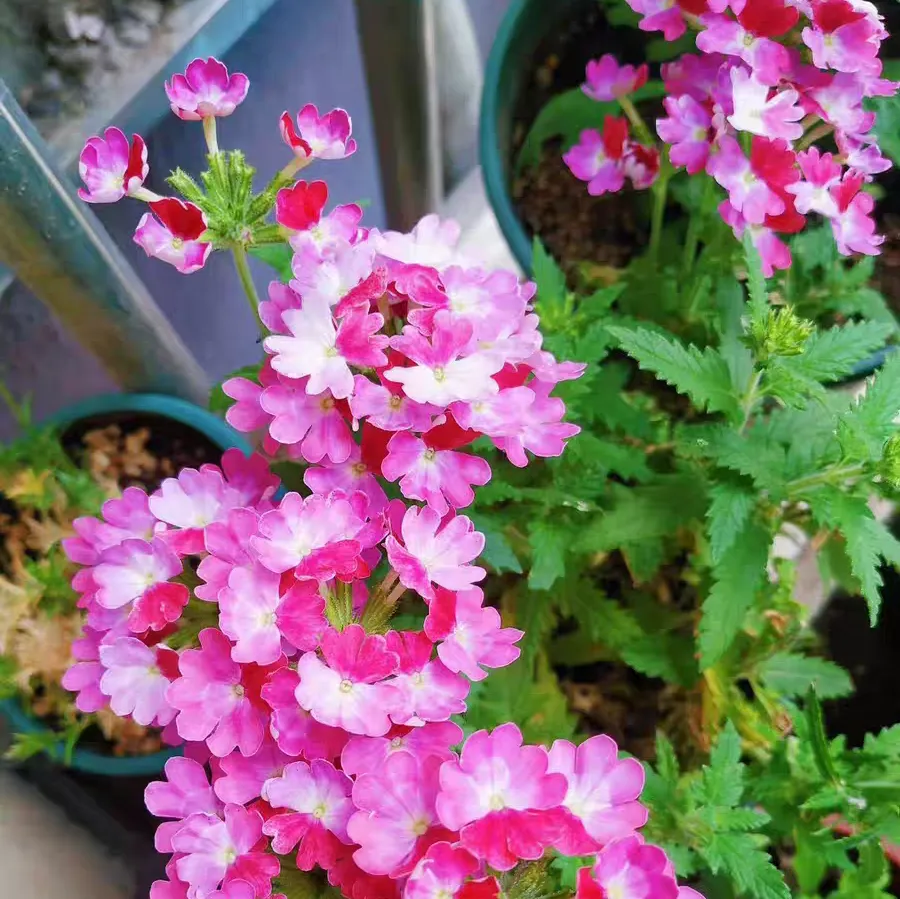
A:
<point x="136" y="679"/>
<point x="344" y="690"/>
<point x="443" y="871"/>
<point x="441" y="478"/>
<point x="387" y="408"/>
<point x="318" y="137"/>
<point x="172" y="232"/>
<point x="206" y="89"/>
<point x="351" y="476"/>
<point x="844" y="37"/>
<point x="501" y="798"/>
<point x="185" y="791"/>
<point x="128" y="570"/>
<point x="436" y="552"/>
<point x="598" y="157"/>
<point x="820" y="173"/>
<point x="83" y="678"/>
<point x="241" y="778"/>
<point x="470" y="633"/>
<point x="755" y="111"/>
<point x="606" y="80"/>
<point x="365" y="754"/>
<point x="111" y="168"/>
<point x="687" y="130"/>
<point x="228" y="546"/>
<point x="630" y="869"/>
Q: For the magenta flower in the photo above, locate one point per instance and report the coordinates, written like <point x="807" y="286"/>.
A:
<point x="748" y="193"/>
<point x="295" y="731"/>
<point x="281" y="298"/>
<point x="435" y="552"/>
<point x="318" y="137"/>
<point x="820" y="173"/>
<point x="606" y="80"/>
<point x="110" y="168"/>
<point x="300" y="207"/>
<point x="773" y="253"/>
<point x="241" y="778"/>
<point x="598" y="157"/>
<point x="660" y="15"/>
<point x="501" y="798"/>
<point x="206" y="89"/>
<point x="687" y="130"/>
<point x="396" y="814"/>
<point x="333" y="232"/>
<point x="844" y="37"/>
<point x="387" y="408"/>
<point x="776" y="116"/>
<point x="602" y="794"/>
<point x="318" y="797"/>
<point x="246" y="414"/>
<point x="136" y="679"/>
<point x="186" y="791"/>
<point x="127" y="571"/>
<point x="631" y="868"/>
<point x="345" y="690"/>
<point x="321" y="350"/>
<point x="351" y="476"/>
<point x="173" y="234"/>
<point x="210" y="850"/>
<point x="328" y="279"/>
<point x="471" y="635"/>
<point x="441" y="478"/>
<point x="213" y="701"/>
<point x="228" y="545"/>
<point x="443" y="871"/>
<point x="443" y="372"/>
<point x="431" y="244"/>
<point x="84" y="676"/>
<point x="317" y="537"/>
<point x="366" y="754"/>
<point x="425" y="689"/>
<point x="250" y="480"/>
<point x="853" y="226"/>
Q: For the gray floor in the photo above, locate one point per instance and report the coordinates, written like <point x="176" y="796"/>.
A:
<point x="299" y="52"/>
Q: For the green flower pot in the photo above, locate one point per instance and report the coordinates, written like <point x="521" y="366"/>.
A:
<point x="216" y="431"/>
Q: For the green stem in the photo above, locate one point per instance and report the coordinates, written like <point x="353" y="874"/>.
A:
<point x="811" y="136"/>
<point x="639" y="125"/>
<point x="829" y="476"/>
<point x="749" y="401"/>
<point x="693" y="231"/>
<point x="243" y="270"/>
<point x="380" y="608"/>
<point x="209" y="132"/>
<point x="339" y="606"/>
<point x="660" y="190"/>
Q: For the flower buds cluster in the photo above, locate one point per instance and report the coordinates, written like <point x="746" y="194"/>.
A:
<point x="772" y="78"/>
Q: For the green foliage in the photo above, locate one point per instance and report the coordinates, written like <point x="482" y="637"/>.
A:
<point x="276" y="255"/>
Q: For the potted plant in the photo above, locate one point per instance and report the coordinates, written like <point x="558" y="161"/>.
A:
<point x="51" y="478"/>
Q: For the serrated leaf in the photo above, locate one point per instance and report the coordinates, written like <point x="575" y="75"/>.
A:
<point x="535" y="615"/>
<point x="737" y="577"/>
<point x="703" y="375"/>
<point x="872" y="418"/>
<point x="833" y="354"/>
<point x="792" y="674"/>
<point x="753" y="453"/>
<point x="550" y="280"/>
<point x="548" y="554"/>
<point x="666" y="655"/>
<point x="729" y="511"/>
<point x="749" y="866"/>
<point x="722" y="780"/>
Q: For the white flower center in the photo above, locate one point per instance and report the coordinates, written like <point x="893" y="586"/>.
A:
<point x="346" y="686"/>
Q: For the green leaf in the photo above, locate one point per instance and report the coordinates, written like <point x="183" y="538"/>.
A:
<point x="887" y="125"/>
<point x="729" y="511"/>
<point x="815" y="724"/>
<point x="219" y="402"/>
<point x="666" y="655"/>
<point x="701" y="374"/>
<point x="567" y="868"/>
<point x="276" y="255"/>
<point x="738" y="576"/>
<point x="498" y="554"/>
<point x="792" y="674"/>
<point x="548" y="548"/>
<point x="536" y="616"/>
<point x="740" y="857"/>
<point x="550" y="281"/>
<point x="833" y="354"/>
<point x="756" y="283"/>
<point x="872" y="418"/>
<point x="722" y="780"/>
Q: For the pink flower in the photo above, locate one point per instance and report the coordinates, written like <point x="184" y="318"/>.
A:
<point x="640" y="165"/>
<point x="110" y="168"/>
<point x="853" y="226"/>
<point x="425" y="689"/>
<point x="351" y="476"/>
<point x="317" y="537"/>
<point x="332" y="233"/>
<point x="281" y="298"/>
<point x="821" y="173"/>
<point x="442" y="872"/>
<point x="318" y="137"/>
<point x="246" y="414"/>
<point x="396" y="814"/>
<point x="773" y="253"/>
<point x="186" y="791"/>
<point x="318" y="797"/>
<point x="211" y="850"/>
<point x="602" y="794"/>
<point x="300" y="207"/>
<point x="430" y="244"/>
<point x="190" y="502"/>
<point x="442" y="373"/>
<point x="344" y="690"/>
<point x="597" y="157"/>
<point x="295" y="731"/>
<point x="844" y="37"/>
<point x="228" y="545"/>
<point x="206" y="89"/>
<point x="436" y="552"/>
<point x="607" y="80"/>
<point x="862" y="158"/>
<point x="387" y="408"/>
<point x="755" y="111"/>
<point x="217" y="700"/>
<point x="659" y="15"/>
<point x="173" y="234"/>
<point x="441" y="478"/>
<point x="499" y="796"/>
<point x="241" y="779"/>
<point x="137" y="678"/>
<point x="323" y="351"/>
<point x="630" y="868"/>
<point x="364" y="754"/>
<point x="470" y="633"/>
<point x="250" y="479"/>
<point x="840" y="103"/>
<point x="84" y="676"/>
<point x="328" y="278"/>
<point x="687" y="129"/>
<point x="541" y="430"/>
<point x="748" y="193"/>
<point x="127" y="571"/>
<point x="313" y="424"/>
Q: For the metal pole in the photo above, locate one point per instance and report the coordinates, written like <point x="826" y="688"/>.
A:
<point x="397" y="39"/>
<point x="56" y="246"/>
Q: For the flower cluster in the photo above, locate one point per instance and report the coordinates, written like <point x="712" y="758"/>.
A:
<point x="253" y="627"/>
<point x="773" y="77"/>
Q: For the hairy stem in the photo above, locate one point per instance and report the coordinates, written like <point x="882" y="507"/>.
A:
<point x="243" y="270"/>
<point x="829" y="476"/>
<point x="209" y="132"/>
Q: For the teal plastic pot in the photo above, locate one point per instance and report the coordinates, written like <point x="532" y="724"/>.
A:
<point x="523" y="29"/>
<point x="217" y="432"/>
